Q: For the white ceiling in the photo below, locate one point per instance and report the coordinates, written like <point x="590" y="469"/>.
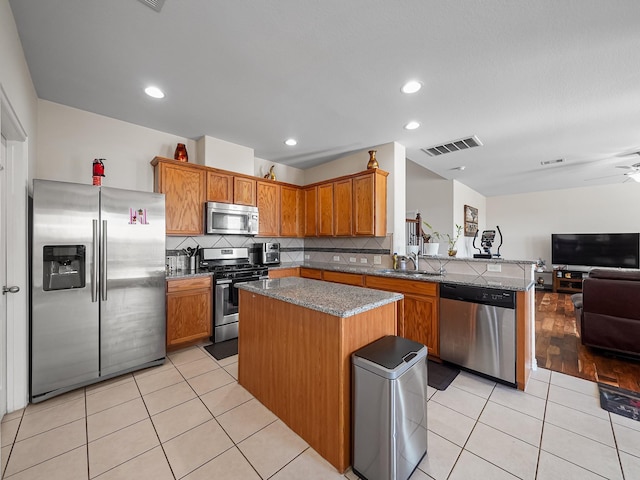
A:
<point x="534" y="80"/>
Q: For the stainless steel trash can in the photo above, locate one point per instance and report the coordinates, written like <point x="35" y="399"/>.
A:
<point x="389" y="408"/>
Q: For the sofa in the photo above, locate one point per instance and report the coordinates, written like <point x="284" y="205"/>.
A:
<point x="610" y="310"/>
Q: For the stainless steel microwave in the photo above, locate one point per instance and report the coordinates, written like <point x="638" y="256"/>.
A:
<point x="230" y="219"/>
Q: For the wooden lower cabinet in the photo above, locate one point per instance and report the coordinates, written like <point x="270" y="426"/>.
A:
<point x="285" y="272"/>
<point x="297" y="362"/>
<point x="341" y="277"/>
<point x="311" y="273"/>
<point x="421" y="316"/>
<point x="421" y="321"/>
<point x="189" y="310"/>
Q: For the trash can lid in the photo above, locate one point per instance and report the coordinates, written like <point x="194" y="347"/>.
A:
<point x="391" y="353"/>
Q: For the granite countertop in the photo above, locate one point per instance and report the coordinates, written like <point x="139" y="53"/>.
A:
<point x="332" y="298"/>
<point x="508" y="283"/>
<point x="182" y="275"/>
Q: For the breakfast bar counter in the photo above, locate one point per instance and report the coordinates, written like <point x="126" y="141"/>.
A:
<point x="294" y="345"/>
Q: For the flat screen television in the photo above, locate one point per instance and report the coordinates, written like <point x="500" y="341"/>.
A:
<point x="596" y="249"/>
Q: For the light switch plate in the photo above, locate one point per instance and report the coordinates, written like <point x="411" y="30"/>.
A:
<point x="377" y="260"/>
<point x="336" y="258"/>
<point x="363" y="260"/>
<point x="352" y="259"/>
<point x="307" y="257"/>
<point x="494" y="267"/>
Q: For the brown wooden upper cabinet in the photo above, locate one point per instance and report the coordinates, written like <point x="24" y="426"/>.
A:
<point x="325" y="210"/>
<point x="268" y="202"/>
<point x="353" y="205"/>
<point x="310" y="212"/>
<point x="219" y="187"/>
<point x="291" y="213"/>
<point x="244" y="191"/>
<point x="343" y="208"/>
<point x="370" y="203"/>
<point x="184" y="188"/>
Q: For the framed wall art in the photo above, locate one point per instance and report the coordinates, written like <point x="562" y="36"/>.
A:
<point x="470" y="221"/>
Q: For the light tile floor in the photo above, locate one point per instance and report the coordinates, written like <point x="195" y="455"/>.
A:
<point x="190" y="419"/>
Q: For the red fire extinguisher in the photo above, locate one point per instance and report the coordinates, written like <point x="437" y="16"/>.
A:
<point x="98" y="171"/>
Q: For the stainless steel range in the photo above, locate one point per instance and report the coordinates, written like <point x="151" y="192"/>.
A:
<point x="230" y="266"/>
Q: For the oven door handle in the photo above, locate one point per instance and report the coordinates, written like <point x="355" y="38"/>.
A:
<point x="245" y="280"/>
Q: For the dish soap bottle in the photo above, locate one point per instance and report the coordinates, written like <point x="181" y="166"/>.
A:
<point x="395" y="261"/>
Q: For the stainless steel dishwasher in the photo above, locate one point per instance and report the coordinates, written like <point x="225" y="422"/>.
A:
<point x="478" y="330"/>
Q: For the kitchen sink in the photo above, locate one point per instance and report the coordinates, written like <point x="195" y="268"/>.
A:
<point x="410" y="273"/>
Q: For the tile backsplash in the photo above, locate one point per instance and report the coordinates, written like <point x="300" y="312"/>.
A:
<point x="299" y="249"/>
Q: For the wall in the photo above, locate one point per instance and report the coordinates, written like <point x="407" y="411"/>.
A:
<point x="20" y="98"/>
<point x="432" y="196"/>
<point x="70" y="139"/>
<point x="217" y="153"/>
<point x="463" y="195"/>
<point x="283" y="173"/>
<point x="528" y="220"/>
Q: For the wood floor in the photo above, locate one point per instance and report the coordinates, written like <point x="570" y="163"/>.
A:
<point x="558" y="346"/>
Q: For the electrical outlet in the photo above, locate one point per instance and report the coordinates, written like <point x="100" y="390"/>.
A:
<point x="336" y="258"/>
<point x="377" y="260"/>
<point x="307" y="257"/>
<point x="494" y="267"/>
<point x="352" y="259"/>
<point x="363" y="260"/>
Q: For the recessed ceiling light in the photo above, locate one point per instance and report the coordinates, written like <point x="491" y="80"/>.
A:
<point x="154" y="92"/>
<point x="291" y="142"/>
<point x="411" y="87"/>
<point x="412" y="125"/>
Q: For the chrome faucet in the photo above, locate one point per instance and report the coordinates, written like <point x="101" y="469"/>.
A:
<point x="414" y="258"/>
<point x="441" y="271"/>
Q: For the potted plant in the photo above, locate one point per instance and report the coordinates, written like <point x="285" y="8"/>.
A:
<point x="452" y="240"/>
<point x="431" y="244"/>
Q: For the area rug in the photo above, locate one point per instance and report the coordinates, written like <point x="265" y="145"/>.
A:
<point x="439" y="375"/>
<point x="223" y="350"/>
<point x="620" y="401"/>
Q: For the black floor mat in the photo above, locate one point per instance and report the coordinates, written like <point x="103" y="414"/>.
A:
<point x="223" y="349"/>
<point x="440" y="375"/>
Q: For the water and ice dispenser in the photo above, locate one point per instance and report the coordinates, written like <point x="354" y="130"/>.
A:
<point x="63" y="267"/>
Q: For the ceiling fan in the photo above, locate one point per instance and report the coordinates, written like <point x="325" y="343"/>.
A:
<point x="633" y="170"/>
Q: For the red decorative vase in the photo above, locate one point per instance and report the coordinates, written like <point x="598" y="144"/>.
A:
<point x="181" y="153"/>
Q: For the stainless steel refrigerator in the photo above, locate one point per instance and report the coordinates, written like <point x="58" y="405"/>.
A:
<point x="97" y="285"/>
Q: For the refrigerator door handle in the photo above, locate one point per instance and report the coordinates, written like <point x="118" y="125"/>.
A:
<point x="103" y="262"/>
<point x="94" y="266"/>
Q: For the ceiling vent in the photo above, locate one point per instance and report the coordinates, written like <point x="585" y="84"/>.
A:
<point x="154" y="4"/>
<point x="453" y="146"/>
<point x="551" y="162"/>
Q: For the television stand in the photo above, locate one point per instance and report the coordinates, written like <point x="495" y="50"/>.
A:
<point x="567" y="281"/>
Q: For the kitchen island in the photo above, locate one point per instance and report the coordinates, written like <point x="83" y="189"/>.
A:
<point x="295" y="344"/>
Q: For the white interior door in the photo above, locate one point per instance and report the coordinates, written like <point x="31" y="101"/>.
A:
<point x="3" y="279"/>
